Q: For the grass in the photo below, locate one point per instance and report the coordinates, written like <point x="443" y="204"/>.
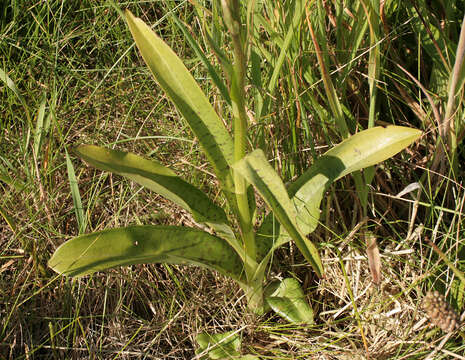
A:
<point x="77" y="75"/>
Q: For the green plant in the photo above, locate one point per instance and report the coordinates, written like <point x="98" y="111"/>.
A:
<point x="233" y="247"/>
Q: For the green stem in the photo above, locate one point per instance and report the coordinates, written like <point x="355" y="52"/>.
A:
<point x="231" y="11"/>
<point x="254" y="295"/>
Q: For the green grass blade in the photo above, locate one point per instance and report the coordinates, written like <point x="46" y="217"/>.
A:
<point x="11" y="223"/>
<point x="255" y="168"/>
<point x="39" y="132"/>
<point x="155" y="177"/>
<point x="211" y="70"/>
<point x="11" y="85"/>
<point x="299" y="8"/>
<point x="18" y="185"/>
<point x="331" y="95"/>
<point x="170" y="72"/>
<point x="78" y="209"/>
<point x="131" y="245"/>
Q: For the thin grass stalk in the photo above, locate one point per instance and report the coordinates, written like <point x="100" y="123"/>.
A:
<point x="328" y="84"/>
<point x="299" y="7"/>
<point x="450" y="125"/>
<point x="374" y="68"/>
<point x="354" y="304"/>
<point x="374" y="57"/>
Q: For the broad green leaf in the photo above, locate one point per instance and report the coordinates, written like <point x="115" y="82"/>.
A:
<point x="288" y="301"/>
<point x="361" y="150"/>
<point x="170" y="72"/>
<point x="256" y="170"/>
<point x="156" y="177"/>
<point x="131" y="245"/>
<point x="220" y="346"/>
<point x="78" y="209"/>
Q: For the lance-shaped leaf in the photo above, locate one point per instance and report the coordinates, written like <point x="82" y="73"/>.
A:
<point x="256" y="170"/>
<point x="361" y="150"/>
<point x="170" y="72"/>
<point x="131" y="245"/>
<point x="156" y="177"/>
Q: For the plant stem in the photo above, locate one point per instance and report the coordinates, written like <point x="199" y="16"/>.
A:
<point x="231" y="11"/>
<point x="254" y="294"/>
<point x="450" y="123"/>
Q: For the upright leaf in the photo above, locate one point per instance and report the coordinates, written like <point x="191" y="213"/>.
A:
<point x="198" y="51"/>
<point x="39" y="132"/>
<point x="78" y="209"/>
<point x="255" y="168"/>
<point x="170" y="72"/>
<point x="131" y="245"/>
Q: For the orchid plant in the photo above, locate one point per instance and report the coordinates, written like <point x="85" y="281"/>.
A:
<point x="234" y="246"/>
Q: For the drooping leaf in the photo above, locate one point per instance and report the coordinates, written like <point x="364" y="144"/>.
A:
<point x="131" y="245"/>
<point x="156" y="177"/>
<point x="12" y="86"/>
<point x="288" y="301"/>
<point x="170" y="72"/>
<point x="220" y="346"/>
<point x="361" y="150"/>
<point x="6" y="178"/>
<point x="256" y="170"/>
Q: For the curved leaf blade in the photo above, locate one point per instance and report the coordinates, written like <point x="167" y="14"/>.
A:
<point x="131" y="245"/>
<point x="256" y="170"/>
<point x="155" y="177"/>
<point x="361" y="150"/>
<point x="171" y="74"/>
<point x="220" y="346"/>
